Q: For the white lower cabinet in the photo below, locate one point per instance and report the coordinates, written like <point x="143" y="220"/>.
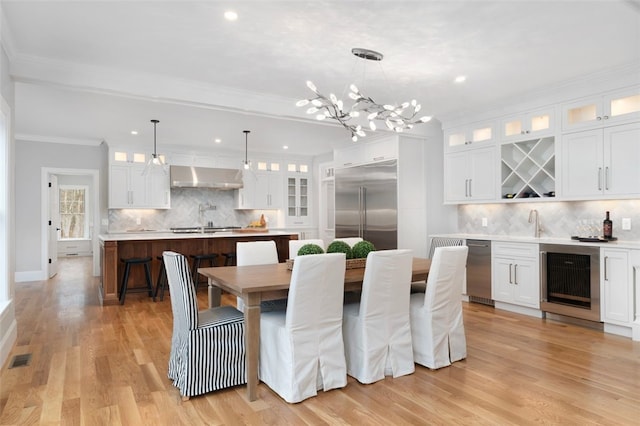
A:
<point x="616" y="289"/>
<point x="515" y="274"/>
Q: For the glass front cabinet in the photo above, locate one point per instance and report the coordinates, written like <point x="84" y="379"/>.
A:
<point x="298" y="194"/>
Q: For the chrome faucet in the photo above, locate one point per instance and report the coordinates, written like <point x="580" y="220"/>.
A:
<point x="538" y="229"/>
<point x="201" y="209"/>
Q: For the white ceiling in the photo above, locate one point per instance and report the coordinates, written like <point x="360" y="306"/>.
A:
<point x="95" y="70"/>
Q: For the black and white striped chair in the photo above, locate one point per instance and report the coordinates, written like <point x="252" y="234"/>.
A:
<point x="207" y="347"/>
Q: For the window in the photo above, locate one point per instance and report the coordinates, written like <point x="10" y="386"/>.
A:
<point x="74" y="222"/>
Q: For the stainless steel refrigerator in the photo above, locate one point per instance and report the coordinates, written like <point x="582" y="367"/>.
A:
<point x="367" y="203"/>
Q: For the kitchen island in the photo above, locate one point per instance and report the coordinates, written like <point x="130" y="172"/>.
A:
<point x="115" y="246"/>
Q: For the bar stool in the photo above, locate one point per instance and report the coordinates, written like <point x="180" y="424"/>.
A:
<point x="125" y="278"/>
<point x="197" y="260"/>
<point x="229" y="258"/>
<point x="161" y="282"/>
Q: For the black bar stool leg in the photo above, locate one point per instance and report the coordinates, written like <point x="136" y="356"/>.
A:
<point x="125" y="280"/>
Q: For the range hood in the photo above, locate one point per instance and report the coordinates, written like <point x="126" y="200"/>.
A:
<point x="204" y="177"/>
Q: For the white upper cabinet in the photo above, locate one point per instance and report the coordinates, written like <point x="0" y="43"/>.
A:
<point x="366" y="152"/>
<point x="470" y="136"/>
<point x="261" y="191"/>
<point x="533" y="124"/>
<point x="298" y="197"/>
<point x="601" y="162"/>
<point x="470" y="176"/>
<point x="612" y="108"/>
<point x="129" y="188"/>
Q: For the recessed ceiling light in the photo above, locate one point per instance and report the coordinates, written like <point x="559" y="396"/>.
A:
<point x="230" y="15"/>
<point x="460" y="79"/>
<point x="217" y="140"/>
<point x="285" y="147"/>
<point x="134" y="132"/>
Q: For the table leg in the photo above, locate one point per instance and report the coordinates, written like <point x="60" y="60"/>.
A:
<point x="252" y="342"/>
<point x="215" y="294"/>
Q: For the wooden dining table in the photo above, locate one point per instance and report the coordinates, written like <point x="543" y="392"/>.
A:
<point x="254" y="284"/>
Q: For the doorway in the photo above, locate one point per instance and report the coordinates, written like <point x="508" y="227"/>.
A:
<point x="49" y="212"/>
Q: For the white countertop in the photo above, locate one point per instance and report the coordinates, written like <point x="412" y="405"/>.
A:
<point x="543" y="240"/>
<point x="168" y="235"/>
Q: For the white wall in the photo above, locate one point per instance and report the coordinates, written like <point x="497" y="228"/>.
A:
<point x="8" y="325"/>
<point x="31" y="158"/>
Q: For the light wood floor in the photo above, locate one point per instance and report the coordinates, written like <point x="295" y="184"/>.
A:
<point x="96" y="365"/>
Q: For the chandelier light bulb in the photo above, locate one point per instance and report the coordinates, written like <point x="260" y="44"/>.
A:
<point x="302" y="102"/>
<point x="312" y="110"/>
<point x="418" y="108"/>
<point x="354" y="138"/>
<point x="320" y="117"/>
<point x="312" y="86"/>
<point x="353" y="96"/>
<point x="425" y="119"/>
<point x="354" y="89"/>
<point x="372" y="126"/>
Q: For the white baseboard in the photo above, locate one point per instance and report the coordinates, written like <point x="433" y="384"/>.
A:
<point x="519" y="309"/>
<point x="9" y="331"/>
<point x="618" y="330"/>
<point x="30" y="276"/>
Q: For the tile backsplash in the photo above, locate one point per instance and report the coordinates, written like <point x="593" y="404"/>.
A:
<point x="184" y="212"/>
<point x="557" y="219"/>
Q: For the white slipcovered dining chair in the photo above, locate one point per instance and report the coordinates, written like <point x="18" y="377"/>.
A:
<point x="302" y="350"/>
<point x="207" y="347"/>
<point x="377" y="333"/>
<point x="437" y="329"/>
<point x="257" y="253"/>
<point x="295" y="245"/>
<point x="349" y="240"/>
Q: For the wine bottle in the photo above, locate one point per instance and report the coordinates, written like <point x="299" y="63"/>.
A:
<point x="607" y="227"/>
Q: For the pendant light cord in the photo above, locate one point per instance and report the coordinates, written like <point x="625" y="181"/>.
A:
<point x="154" y="137"/>
<point x="246" y="146"/>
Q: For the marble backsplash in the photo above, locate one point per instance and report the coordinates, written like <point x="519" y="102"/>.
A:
<point x="557" y="219"/>
<point x="184" y="212"/>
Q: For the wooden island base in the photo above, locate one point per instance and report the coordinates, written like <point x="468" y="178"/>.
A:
<point x="112" y="249"/>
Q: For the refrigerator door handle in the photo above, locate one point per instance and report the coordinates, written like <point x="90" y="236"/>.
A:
<point x="363" y="219"/>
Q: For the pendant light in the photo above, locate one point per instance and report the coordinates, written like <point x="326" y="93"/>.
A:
<point x="247" y="164"/>
<point x="155" y="162"/>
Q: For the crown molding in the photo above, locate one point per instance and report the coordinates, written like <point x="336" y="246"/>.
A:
<point x="153" y="87"/>
<point x="608" y="79"/>
<point x="55" y="139"/>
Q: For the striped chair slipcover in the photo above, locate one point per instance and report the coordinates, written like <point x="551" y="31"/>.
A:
<point x="207" y="347"/>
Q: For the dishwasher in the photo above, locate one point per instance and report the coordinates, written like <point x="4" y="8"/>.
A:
<point x="479" y="271"/>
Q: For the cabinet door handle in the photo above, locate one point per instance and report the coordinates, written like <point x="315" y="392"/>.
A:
<point x="510" y="280"/>
<point x="606" y="117"/>
<point x="470" y="183"/>
<point x="606" y="178"/>
<point x="598" y="118"/>
<point x="466" y="187"/>
<point x="606" y="259"/>
<point x="599" y="178"/>
<point x="515" y="274"/>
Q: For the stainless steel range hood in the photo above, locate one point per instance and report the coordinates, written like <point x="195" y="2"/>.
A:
<point x="203" y="177"/>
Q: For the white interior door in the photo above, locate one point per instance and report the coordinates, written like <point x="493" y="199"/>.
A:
<point x="54" y="225"/>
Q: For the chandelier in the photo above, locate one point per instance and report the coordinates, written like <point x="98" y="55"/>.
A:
<point x="398" y="117"/>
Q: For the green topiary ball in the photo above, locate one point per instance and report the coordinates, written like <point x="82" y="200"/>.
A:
<point x="361" y="249"/>
<point x="310" y="249"/>
<point x="340" y="247"/>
